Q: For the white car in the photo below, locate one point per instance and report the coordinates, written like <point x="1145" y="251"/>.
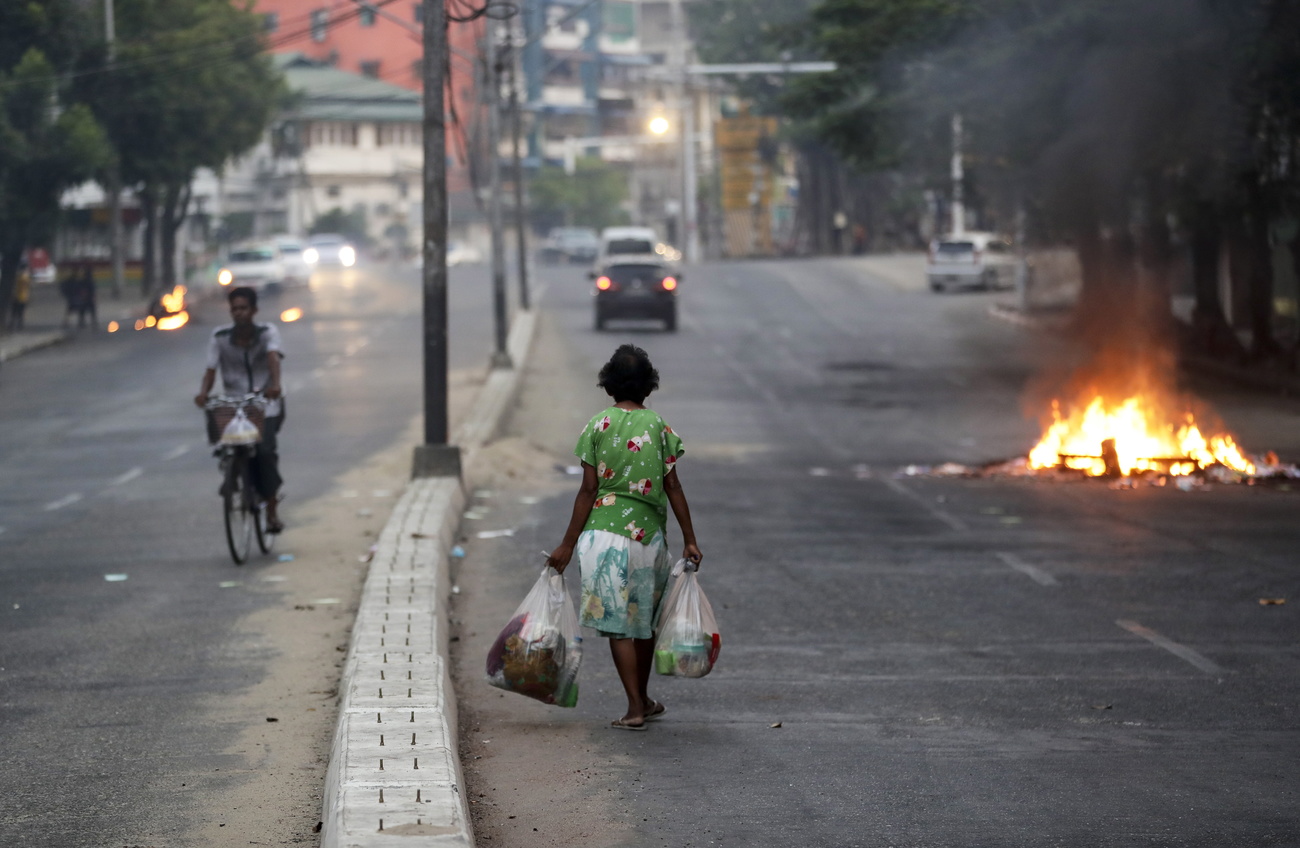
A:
<point x="257" y="266"/>
<point x="296" y="269"/>
<point x="458" y="253"/>
<point x="329" y="249"/>
<point x="970" y="260"/>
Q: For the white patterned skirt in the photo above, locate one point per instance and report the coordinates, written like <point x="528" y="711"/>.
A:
<point x="622" y="583"/>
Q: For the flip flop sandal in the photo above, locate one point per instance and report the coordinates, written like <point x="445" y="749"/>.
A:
<point x="657" y="712"/>
<point x="619" y="724"/>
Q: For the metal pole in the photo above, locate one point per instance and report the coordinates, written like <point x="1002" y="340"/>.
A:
<point x="492" y="93"/>
<point x="113" y="179"/>
<point x="958" y="208"/>
<point x="521" y="216"/>
<point x="435" y="458"/>
<point x="690" y="207"/>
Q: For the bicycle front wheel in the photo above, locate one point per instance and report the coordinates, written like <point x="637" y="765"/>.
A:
<point x="241" y="516"/>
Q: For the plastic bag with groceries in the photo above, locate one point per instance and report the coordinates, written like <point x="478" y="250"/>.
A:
<point x="689" y="641"/>
<point x="538" y="652"/>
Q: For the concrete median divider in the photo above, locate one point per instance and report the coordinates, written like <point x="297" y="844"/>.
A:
<point x="394" y="775"/>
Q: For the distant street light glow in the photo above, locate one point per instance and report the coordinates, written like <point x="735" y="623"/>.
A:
<point x="659" y="125"/>
<point x="291" y="314"/>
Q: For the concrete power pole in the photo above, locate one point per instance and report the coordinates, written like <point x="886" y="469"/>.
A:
<point x="435" y="458"/>
<point x="690" y="236"/>
<point x="113" y="178"/>
<point x="521" y="215"/>
<point x="958" y="207"/>
<point x="492" y="93"/>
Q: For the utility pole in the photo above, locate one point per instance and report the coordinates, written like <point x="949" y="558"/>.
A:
<point x="958" y="208"/>
<point x="521" y="216"/>
<point x="435" y="458"/>
<point x="492" y="91"/>
<point x="113" y="178"/>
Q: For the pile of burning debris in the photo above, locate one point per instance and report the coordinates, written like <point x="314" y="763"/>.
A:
<point x="1130" y="443"/>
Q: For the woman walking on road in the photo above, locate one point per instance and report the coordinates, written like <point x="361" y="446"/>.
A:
<point x="629" y="478"/>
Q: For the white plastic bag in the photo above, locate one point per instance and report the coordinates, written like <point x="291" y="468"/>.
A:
<point x="688" y="642"/>
<point x="240" y="431"/>
<point x="538" y="652"/>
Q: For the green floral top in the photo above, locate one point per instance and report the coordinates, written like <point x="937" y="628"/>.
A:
<point x="631" y="450"/>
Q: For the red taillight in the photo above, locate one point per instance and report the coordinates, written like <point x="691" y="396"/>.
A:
<point x="604" y="283"/>
<point x="669" y="283"/>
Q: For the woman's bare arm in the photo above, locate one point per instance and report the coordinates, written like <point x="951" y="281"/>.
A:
<point x="677" y="500"/>
<point x="582" y="506"/>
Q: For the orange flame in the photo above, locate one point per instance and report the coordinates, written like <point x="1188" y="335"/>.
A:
<point x="1142" y="441"/>
<point x="174" y="301"/>
<point x="172" y="322"/>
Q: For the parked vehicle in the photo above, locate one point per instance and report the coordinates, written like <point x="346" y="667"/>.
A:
<point x="257" y="265"/>
<point x="570" y="244"/>
<point x="40" y="266"/>
<point x="636" y="286"/>
<point x="970" y="260"/>
<point x="329" y="249"/>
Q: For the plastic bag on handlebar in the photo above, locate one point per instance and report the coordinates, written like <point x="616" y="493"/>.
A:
<point x="240" y="431"/>
<point x="689" y="641"/>
<point x="539" y="651"/>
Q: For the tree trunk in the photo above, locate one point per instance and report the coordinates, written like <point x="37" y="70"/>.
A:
<point x="1210" y="331"/>
<point x="176" y="201"/>
<point x="1259" y="282"/>
<point x="10" y="255"/>
<point x="149" y="265"/>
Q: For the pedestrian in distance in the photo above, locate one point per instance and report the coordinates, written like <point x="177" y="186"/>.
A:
<point x="248" y="356"/>
<point x="629" y="479"/>
<point x="70" y="289"/>
<point x="86" y="311"/>
<point x="22" y="294"/>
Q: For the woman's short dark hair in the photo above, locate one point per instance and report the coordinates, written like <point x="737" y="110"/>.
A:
<point x="629" y="375"/>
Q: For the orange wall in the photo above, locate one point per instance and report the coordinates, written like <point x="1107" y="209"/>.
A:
<point x="396" y="47"/>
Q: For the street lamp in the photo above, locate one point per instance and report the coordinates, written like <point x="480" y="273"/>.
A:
<point x="658" y="125"/>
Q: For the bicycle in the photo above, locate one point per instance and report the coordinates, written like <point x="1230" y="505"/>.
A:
<point x="241" y="505"/>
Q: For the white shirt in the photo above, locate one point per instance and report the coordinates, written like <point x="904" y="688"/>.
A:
<point x="245" y="369"/>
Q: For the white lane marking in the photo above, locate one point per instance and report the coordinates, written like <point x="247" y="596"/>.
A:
<point x="1032" y="572"/>
<point x="176" y="452"/>
<point x="127" y="477"/>
<point x="66" y="500"/>
<point x="947" y="518"/>
<point x="1181" y="651"/>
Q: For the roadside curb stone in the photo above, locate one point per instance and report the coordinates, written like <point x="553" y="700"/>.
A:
<point x="394" y="769"/>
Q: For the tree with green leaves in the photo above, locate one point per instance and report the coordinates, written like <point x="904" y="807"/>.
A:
<point x="46" y="147"/>
<point x="190" y="87"/>
<point x="592" y="196"/>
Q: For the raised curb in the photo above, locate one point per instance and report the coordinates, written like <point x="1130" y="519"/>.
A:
<point x="12" y="349"/>
<point x="394" y="775"/>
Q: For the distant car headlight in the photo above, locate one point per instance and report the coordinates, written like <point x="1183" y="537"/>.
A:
<point x="347" y="256"/>
<point x="225" y="277"/>
<point x="310" y="256"/>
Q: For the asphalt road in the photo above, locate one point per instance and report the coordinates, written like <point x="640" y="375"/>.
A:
<point x="952" y="662"/>
<point x="104" y="471"/>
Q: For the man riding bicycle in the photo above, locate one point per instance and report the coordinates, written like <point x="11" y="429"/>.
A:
<point x="248" y="355"/>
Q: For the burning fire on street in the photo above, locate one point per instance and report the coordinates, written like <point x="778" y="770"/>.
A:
<point x="1131" y="439"/>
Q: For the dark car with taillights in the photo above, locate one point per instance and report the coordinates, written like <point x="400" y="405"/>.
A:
<point x="636" y="287"/>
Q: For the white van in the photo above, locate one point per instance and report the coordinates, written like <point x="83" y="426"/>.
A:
<point x="628" y="241"/>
